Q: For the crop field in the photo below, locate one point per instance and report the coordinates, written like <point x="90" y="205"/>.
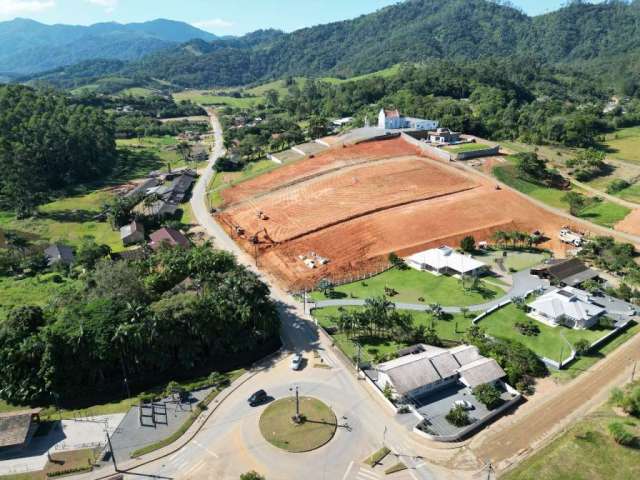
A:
<point x="354" y="205"/>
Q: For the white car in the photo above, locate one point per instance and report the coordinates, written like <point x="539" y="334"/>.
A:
<point x="464" y="404"/>
<point x="296" y="362"/>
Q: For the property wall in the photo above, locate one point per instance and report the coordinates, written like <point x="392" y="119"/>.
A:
<point x="428" y="150"/>
<point x="487" y="152"/>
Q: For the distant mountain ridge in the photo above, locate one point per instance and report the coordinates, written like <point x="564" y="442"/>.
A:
<point x="603" y="37"/>
<point x="27" y="46"/>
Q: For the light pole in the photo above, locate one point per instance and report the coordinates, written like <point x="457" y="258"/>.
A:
<point x="298" y="417"/>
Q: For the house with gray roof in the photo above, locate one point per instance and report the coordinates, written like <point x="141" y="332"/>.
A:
<point x="568" y="307"/>
<point x="59" y="254"/>
<point x="433" y="368"/>
<point x="132" y="233"/>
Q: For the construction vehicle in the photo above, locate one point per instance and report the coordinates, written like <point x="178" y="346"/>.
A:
<point x="570" y="237"/>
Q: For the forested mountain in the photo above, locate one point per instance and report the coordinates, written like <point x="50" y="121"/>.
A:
<point x="605" y="37"/>
<point x="27" y="46"/>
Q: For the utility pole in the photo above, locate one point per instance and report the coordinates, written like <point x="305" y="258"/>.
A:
<point x="358" y="360"/>
<point x="297" y="418"/>
<point x="490" y="470"/>
<point x="113" y="455"/>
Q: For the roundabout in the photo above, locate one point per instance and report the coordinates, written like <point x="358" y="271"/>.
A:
<point x="315" y="427"/>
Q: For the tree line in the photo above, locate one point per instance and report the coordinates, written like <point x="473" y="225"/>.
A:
<point x="128" y="323"/>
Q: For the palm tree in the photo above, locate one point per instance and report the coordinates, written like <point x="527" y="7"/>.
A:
<point x="184" y="149"/>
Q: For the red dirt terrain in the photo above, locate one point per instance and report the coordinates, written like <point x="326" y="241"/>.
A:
<point x="355" y="205"/>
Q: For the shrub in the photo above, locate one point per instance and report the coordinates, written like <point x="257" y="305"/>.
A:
<point x="388" y="392"/>
<point x="458" y="416"/>
<point x="529" y="329"/>
<point x="489" y="395"/>
<point x="621" y="435"/>
<point x="617" y="186"/>
<point x="468" y="244"/>
<point x="582" y="346"/>
<point x="252" y="475"/>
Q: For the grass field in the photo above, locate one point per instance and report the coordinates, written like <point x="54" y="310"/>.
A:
<point x="278" y="429"/>
<point x="466" y="147"/>
<point x="550" y="342"/>
<point x="631" y="194"/>
<point x="224" y="180"/>
<point x="411" y="285"/>
<point x="206" y="97"/>
<point x="606" y="214"/>
<point x="515" y="260"/>
<point x="624" y="144"/>
<point x="585" y="452"/>
<point x="29" y="291"/>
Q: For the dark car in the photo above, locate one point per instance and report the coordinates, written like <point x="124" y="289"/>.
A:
<point x="257" y="398"/>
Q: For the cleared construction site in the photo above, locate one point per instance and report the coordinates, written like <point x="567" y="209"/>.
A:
<point x="338" y="215"/>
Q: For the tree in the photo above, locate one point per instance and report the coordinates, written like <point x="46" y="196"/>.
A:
<point x="317" y="127"/>
<point x="531" y="166"/>
<point x="489" y="395"/>
<point x="251" y="476"/>
<point x="184" y="150"/>
<point x="468" y="244"/>
<point x="582" y="346"/>
<point x="325" y="286"/>
<point x="396" y="261"/>
<point x="577" y="202"/>
<point x="272" y="96"/>
<point x="90" y="253"/>
<point x="458" y="417"/>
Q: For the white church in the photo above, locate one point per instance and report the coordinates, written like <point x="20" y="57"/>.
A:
<point x="392" y="120"/>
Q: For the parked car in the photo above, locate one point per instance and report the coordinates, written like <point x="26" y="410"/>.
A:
<point x="257" y="398"/>
<point x="296" y="362"/>
<point x="464" y="404"/>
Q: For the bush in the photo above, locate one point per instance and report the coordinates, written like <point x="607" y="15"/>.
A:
<point x="252" y="475"/>
<point x="489" y="395"/>
<point x="617" y="186"/>
<point x="582" y="346"/>
<point x="529" y="329"/>
<point x="621" y="435"/>
<point x="458" y="416"/>
<point x="468" y="244"/>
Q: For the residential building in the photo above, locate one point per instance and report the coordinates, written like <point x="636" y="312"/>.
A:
<point x="144" y="188"/>
<point x="570" y="272"/>
<point x="432" y="368"/>
<point x="446" y="261"/>
<point x="175" y="191"/>
<point x="393" y="120"/>
<point x="59" y="254"/>
<point x="567" y="306"/>
<point x="169" y="237"/>
<point x="132" y="233"/>
<point x="444" y="135"/>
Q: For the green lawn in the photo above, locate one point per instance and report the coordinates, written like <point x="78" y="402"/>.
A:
<point x="631" y="194"/>
<point x="548" y="343"/>
<point x="585" y="452"/>
<point x="278" y="429"/>
<point x="205" y="97"/>
<point x="515" y="260"/>
<point x="224" y="180"/>
<point x="553" y="197"/>
<point x="29" y="291"/>
<point x="466" y="147"/>
<point x="624" y="144"/>
<point x="605" y="213"/>
<point x="413" y="284"/>
<point x="137" y="92"/>
<point x="452" y="329"/>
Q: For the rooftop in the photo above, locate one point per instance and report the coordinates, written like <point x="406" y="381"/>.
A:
<point x="569" y="302"/>
<point x="446" y="257"/>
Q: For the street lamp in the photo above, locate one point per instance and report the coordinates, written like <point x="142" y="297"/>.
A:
<point x="298" y="417"/>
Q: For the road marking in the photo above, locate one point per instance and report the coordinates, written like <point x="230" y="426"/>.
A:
<point x="367" y="475"/>
<point x="194" y="468"/>
<point x="346" y="474"/>
<point x="412" y="475"/>
<point x="213" y="454"/>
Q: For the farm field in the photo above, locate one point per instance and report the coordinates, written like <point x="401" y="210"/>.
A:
<point x="207" y="97"/>
<point x="355" y="204"/>
<point x="584" y="452"/>
<point x="412" y="285"/>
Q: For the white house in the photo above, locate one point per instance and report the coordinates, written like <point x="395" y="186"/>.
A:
<point x="444" y="135"/>
<point x="567" y="306"/>
<point x="445" y="260"/>
<point x="432" y="368"/>
<point x="392" y="120"/>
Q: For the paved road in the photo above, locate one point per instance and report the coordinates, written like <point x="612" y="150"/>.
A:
<point x="230" y="442"/>
<point x="523" y="282"/>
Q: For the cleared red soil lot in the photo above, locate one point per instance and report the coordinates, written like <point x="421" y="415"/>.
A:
<point x="355" y="205"/>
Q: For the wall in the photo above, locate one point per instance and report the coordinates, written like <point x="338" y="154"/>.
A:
<point x="428" y="150"/>
<point x="487" y="152"/>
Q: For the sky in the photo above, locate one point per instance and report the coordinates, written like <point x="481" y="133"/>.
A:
<point x="222" y="17"/>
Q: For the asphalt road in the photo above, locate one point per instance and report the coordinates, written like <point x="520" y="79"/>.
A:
<point x="230" y="442"/>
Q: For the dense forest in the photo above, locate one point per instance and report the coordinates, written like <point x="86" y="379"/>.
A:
<point x="603" y="38"/>
<point x="175" y="314"/>
<point x="48" y="144"/>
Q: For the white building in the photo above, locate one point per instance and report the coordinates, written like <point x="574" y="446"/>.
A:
<point x="445" y="260"/>
<point x="413" y="375"/>
<point x="392" y="120"/>
<point x="568" y="306"/>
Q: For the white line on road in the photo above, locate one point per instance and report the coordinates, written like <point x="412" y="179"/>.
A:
<point x="195" y="468"/>
<point x="213" y="454"/>
<point x="412" y="475"/>
<point x="346" y="474"/>
<point x="365" y="474"/>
